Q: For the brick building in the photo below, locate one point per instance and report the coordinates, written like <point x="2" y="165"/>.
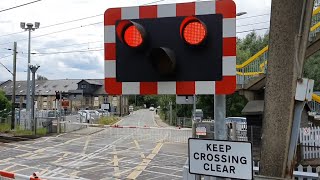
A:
<point x="81" y="94"/>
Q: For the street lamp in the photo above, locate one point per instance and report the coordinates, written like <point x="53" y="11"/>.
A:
<point x="29" y="27"/>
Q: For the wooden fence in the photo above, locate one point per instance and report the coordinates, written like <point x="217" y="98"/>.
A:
<point x="310" y="142"/>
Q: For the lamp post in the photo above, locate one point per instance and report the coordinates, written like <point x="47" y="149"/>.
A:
<point x="29" y="27"/>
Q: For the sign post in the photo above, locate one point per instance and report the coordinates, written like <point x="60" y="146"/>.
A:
<point x="228" y="159"/>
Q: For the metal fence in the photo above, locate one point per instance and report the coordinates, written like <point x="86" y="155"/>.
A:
<point x="184" y="122"/>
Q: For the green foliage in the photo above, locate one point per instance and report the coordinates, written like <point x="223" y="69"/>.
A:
<point x="39" y="77"/>
<point x="312" y="70"/>
<point x="5" y="105"/>
<point x="4" y="127"/>
<point x="108" y="120"/>
<point x="205" y="102"/>
<point x="235" y="104"/>
<point x="250" y="45"/>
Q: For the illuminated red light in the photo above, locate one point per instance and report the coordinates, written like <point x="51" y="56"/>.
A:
<point x="133" y="37"/>
<point x="193" y="31"/>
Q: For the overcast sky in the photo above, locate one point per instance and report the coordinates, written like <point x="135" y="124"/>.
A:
<point x="59" y="43"/>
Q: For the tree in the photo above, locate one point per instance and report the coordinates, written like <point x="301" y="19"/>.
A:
<point x="312" y="70"/>
<point x="39" y="77"/>
<point x="5" y="105"/>
<point x="250" y="45"/>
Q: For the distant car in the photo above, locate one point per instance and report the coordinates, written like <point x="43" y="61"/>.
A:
<point x="151" y="108"/>
<point x="236" y="119"/>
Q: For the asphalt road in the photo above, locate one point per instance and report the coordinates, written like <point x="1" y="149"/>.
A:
<point x="98" y="153"/>
<point x="140" y="118"/>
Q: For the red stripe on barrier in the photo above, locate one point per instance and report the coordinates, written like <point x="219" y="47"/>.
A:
<point x="7" y="174"/>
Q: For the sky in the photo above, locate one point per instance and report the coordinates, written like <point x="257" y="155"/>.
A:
<point x="68" y="49"/>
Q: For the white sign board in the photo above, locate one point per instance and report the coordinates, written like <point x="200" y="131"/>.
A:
<point x="105" y="106"/>
<point x="227" y="159"/>
<point x="201" y="131"/>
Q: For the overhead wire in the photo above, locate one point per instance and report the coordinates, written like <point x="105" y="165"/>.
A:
<point x="4" y="65"/>
<point x="19" y="6"/>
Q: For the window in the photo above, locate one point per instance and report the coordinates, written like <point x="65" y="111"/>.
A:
<point x="83" y="86"/>
<point x="105" y="99"/>
<point x="45" y="98"/>
<point x="87" y="100"/>
<point x="96" y="98"/>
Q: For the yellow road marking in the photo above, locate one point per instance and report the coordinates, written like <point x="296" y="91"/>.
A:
<point x="20" y="169"/>
<point x="116" y="163"/>
<point x="7" y="160"/>
<point x="137" y="144"/>
<point x="64" y="155"/>
<point x="24" y="155"/>
<point x="74" y="174"/>
<point x="44" y="171"/>
<point x="9" y="167"/>
<point x="138" y="147"/>
<point x="86" y="145"/>
<point x="145" y="162"/>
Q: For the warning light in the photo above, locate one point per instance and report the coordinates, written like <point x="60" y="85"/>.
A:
<point x="131" y="33"/>
<point x="133" y="37"/>
<point x="193" y="31"/>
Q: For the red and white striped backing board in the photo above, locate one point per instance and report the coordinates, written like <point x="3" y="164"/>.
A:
<point x="228" y="84"/>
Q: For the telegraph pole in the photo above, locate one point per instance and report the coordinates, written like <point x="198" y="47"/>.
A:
<point x="289" y="30"/>
<point x="13" y="110"/>
<point x="33" y="69"/>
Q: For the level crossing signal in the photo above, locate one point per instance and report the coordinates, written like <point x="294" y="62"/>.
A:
<point x="184" y="49"/>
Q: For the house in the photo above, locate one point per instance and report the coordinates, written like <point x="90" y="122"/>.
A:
<point x="79" y="93"/>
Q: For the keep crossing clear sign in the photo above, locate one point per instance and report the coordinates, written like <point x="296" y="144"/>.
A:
<point x="227" y="159"/>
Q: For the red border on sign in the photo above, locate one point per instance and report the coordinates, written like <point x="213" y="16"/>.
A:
<point x="186" y="9"/>
<point x="148" y="88"/>
<point x="112" y="86"/>
<point x="227" y="85"/>
<point x="111" y="16"/>
<point x="186" y="88"/>
<point x="148" y="11"/>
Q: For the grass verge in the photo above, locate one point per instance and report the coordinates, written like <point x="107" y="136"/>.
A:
<point x="108" y="120"/>
<point x="5" y="128"/>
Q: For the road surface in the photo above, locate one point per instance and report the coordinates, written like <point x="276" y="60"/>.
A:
<point x="140" y="118"/>
<point x="103" y="153"/>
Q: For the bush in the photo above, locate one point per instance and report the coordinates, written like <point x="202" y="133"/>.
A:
<point x="4" y="127"/>
<point x="108" y="120"/>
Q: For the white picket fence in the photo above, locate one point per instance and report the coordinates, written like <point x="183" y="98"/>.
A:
<point x="310" y="142"/>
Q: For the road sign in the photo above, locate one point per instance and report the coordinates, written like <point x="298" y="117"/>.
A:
<point x="201" y="131"/>
<point x="227" y="159"/>
<point x="141" y="58"/>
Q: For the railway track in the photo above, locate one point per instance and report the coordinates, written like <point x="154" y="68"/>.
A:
<point x="9" y="139"/>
